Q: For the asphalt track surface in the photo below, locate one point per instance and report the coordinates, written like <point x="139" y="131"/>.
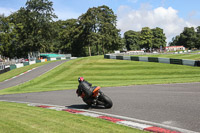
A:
<point x="176" y="105"/>
<point x="30" y="75"/>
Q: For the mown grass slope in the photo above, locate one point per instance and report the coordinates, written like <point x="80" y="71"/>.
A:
<point x="20" y="118"/>
<point x="176" y="56"/>
<point x="20" y="70"/>
<point x="108" y="72"/>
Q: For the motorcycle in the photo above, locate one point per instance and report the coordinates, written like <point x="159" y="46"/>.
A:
<point x="98" y="98"/>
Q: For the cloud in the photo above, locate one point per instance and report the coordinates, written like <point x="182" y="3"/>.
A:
<point x="6" y="11"/>
<point x="165" y="18"/>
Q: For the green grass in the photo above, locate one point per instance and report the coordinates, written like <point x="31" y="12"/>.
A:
<point x="176" y="56"/>
<point x="20" y="118"/>
<point x="20" y="70"/>
<point x="198" y="51"/>
<point x="107" y="72"/>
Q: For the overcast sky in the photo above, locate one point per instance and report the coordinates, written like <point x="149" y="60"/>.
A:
<point x="170" y="15"/>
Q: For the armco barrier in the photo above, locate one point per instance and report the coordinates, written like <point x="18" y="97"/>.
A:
<point x="11" y="67"/>
<point x="155" y="59"/>
<point x="58" y="58"/>
<point x="164" y="60"/>
<point x="32" y="62"/>
<point x="197" y="63"/>
<point x="145" y="59"/>
<point x="188" y="62"/>
<point x="176" y="61"/>
<point x="119" y="57"/>
<point x="135" y="58"/>
<point x="26" y="63"/>
<point x="112" y="57"/>
<point x="43" y="60"/>
<point x="5" y="70"/>
<point x="19" y="65"/>
<point x="126" y="58"/>
<point x="38" y="61"/>
<point x="106" y="56"/>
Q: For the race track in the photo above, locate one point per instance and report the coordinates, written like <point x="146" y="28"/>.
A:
<point x="176" y="105"/>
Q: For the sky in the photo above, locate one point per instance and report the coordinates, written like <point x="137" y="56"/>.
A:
<point x="170" y="15"/>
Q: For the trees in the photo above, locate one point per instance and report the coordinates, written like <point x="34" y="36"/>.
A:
<point x="38" y="16"/>
<point x="146" y="38"/>
<point x="69" y="38"/>
<point x="197" y="45"/>
<point x="30" y="29"/>
<point x="132" y="40"/>
<point x="7" y="37"/>
<point x="189" y="38"/>
<point x="159" y="38"/>
<point x="99" y="30"/>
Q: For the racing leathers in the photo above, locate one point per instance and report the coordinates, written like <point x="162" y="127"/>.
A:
<point x="86" y="88"/>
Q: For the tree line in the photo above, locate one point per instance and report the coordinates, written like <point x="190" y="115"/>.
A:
<point x="35" y="28"/>
<point x="189" y="38"/>
<point x="147" y="39"/>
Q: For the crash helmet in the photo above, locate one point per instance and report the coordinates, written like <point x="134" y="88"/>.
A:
<point x="80" y="79"/>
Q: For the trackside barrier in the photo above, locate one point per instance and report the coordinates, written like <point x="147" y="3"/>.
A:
<point x="38" y="61"/>
<point x="32" y="62"/>
<point x="164" y="60"/>
<point x="134" y="58"/>
<point x="188" y="62"/>
<point x="4" y="70"/>
<point x="176" y="61"/>
<point x="26" y="63"/>
<point x="112" y="57"/>
<point x="152" y="59"/>
<point x="43" y="60"/>
<point x="19" y="65"/>
<point x="155" y="59"/>
<point x="126" y="58"/>
<point x="11" y="67"/>
<point x="145" y="59"/>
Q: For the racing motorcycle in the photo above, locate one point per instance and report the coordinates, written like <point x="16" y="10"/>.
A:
<point x="98" y="98"/>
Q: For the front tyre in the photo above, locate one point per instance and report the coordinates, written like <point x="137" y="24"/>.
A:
<point x="107" y="101"/>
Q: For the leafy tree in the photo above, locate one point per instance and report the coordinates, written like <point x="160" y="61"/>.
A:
<point x="159" y="38"/>
<point x="175" y="41"/>
<point x="188" y="37"/>
<point x="109" y="33"/>
<point x="38" y="17"/>
<point x="132" y="40"/>
<point x="68" y="37"/>
<point x="7" y="47"/>
<point x="99" y="29"/>
<point x="198" y="37"/>
<point x="146" y="38"/>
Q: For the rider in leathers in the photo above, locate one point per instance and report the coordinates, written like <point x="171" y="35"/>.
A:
<point x="85" y="87"/>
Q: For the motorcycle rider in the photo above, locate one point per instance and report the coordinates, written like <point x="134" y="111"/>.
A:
<point x="85" y="87"/>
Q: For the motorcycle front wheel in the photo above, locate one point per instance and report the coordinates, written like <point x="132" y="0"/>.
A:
<point x="107" y="102"/>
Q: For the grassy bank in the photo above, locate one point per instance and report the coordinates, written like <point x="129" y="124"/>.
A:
<point x="108" y="72"/>
<point x="18" y="71"/>
<point x="20" y="118"/>
<point x="176" y="56"/>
